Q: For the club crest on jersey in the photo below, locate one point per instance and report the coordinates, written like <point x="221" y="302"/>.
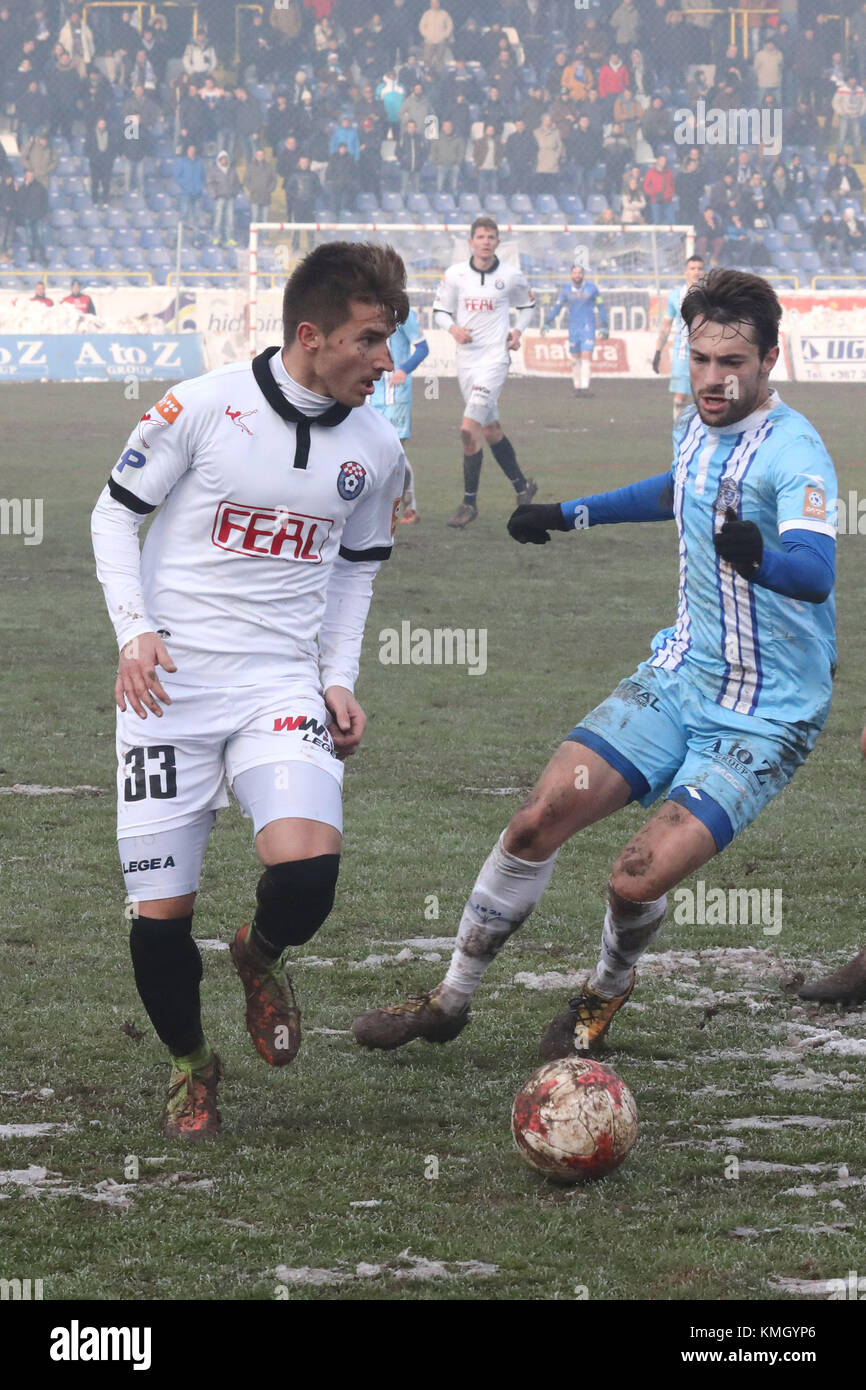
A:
<point x="350" y="480"/>
<point x="728" y="495"/>
<point x="500" y="284"/>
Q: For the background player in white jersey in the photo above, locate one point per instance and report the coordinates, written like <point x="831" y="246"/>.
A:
<point x="277" y="498"/>
<point x="679" y="383"/>
<point x="473" y="303"/>
<point x="723" y="712"/>
<point x="393" y="397"/>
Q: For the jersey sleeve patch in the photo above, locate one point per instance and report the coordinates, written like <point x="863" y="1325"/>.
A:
<point x="815" y="503"/>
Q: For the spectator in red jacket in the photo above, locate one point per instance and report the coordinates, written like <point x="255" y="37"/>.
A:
<point x="659" y="185"/>
<point x="81" y="301"/>
<point x="613" y="80"/>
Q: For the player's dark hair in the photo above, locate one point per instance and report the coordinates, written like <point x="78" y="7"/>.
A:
<point x="689" y="259"/>
<point x="322" y="286"/>
<point x="736" y="297"/>
<point x="485" y="220"/>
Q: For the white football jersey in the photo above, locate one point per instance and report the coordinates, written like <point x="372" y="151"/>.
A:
<point x="256" y="502"/>
<point x="480" y="300"/>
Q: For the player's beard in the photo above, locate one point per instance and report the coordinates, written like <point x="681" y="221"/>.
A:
<point x="731" y="410"/>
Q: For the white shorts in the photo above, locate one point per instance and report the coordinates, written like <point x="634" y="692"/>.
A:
<point x="481" y="383"/>
<point x="173" y="770"/>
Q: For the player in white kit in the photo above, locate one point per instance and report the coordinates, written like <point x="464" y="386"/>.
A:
<point x="473" y="303"/>
<point x="277" y="501"/>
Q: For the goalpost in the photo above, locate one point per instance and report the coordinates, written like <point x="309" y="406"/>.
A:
<point x="637" y="260"/>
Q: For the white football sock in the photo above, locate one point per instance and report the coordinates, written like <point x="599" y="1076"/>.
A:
<point x="587" y="371"/>
<point x="505" y="892"/>
<point x="629" y="927"/>
<point x="409" y="488"/>
<point x="576" y="374"/>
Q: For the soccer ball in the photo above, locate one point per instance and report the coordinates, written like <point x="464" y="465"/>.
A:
<point x="574" y="1120"/>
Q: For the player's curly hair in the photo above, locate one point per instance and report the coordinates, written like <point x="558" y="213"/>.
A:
<point x="322" y="286"/>
<point x="735" y="296"/>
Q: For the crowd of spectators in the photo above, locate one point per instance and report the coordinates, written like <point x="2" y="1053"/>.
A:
<point x="326" y="100"/>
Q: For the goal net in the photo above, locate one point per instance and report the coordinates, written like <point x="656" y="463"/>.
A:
<point x="633" y="266"/>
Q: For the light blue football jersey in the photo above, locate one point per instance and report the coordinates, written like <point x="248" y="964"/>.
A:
<point x="757" y="651"/>
<point x="680" y="347"/>
<point x="401" y="345"/>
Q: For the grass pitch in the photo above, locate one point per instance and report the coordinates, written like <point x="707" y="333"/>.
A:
<point x="354" y="1176"/>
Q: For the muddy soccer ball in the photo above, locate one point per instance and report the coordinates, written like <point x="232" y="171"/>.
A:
<point x="574" y="1120"/>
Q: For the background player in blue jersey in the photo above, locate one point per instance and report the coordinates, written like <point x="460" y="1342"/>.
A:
<point x="392" y="397"/>
<point x="584" y="300"/>
<point x="679" y="387"/>
<point x="727" y="706"/>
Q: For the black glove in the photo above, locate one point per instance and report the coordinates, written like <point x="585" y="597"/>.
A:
<point x="741" y="544"/>
<point x="532" y="523"/>
<point x="657" y="357"/>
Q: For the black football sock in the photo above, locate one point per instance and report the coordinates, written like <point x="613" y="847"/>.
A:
<point x="168" y="971"/>
<point x="505" y="456"/>
<point x="471" y="476"/>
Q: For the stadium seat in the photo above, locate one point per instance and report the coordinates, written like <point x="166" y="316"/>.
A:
<point x="799" y="242"/>
<point x="149" y="237"/>
<point x="104" y="256"/>
<point x="497" y="206"/>
<point x="443" y="204"/>
<point x="773" y="241"/>
<point x="845" y="203"/>
<point x="805" y="211"/>
<point x="123" y="236"/>
<point x="419" y="203"/>
<point x="365" y="202"/>
<point x="62" y="217"/>
<point x="393" y="204"/>
<point x="784" y="260"/>
<point x="858" y="262"/>
<point x="94" y="236"/>
<point x="596" y="202"/>
<point x="811" y="262"/>
<point x="571" y="204"/>
<point x="824" y="204"/>
<point x="470" y="204"/>
<point x="545" y="203"/>
<point x="786" y="222"/>
<point x="521" y="205"/>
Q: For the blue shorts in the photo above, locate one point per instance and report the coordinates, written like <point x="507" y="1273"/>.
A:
<point x="665" y="736"/>
<point x="680" y="384"/>
<point x="585" y="343"/>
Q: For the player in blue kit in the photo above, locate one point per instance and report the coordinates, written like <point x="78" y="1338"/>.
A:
<point x="679" y="384"/>
<point x="726" y="707"/>
<point x="583" y="299"/>
<point x="392" y="397"/>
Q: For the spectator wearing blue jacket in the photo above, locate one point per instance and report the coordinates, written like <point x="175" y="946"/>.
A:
<point x="189" y="176"/>
<point x="346" y="134"/>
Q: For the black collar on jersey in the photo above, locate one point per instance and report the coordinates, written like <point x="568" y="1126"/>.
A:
<point x="488" y="271"/>
<point x="334" y="415"/>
